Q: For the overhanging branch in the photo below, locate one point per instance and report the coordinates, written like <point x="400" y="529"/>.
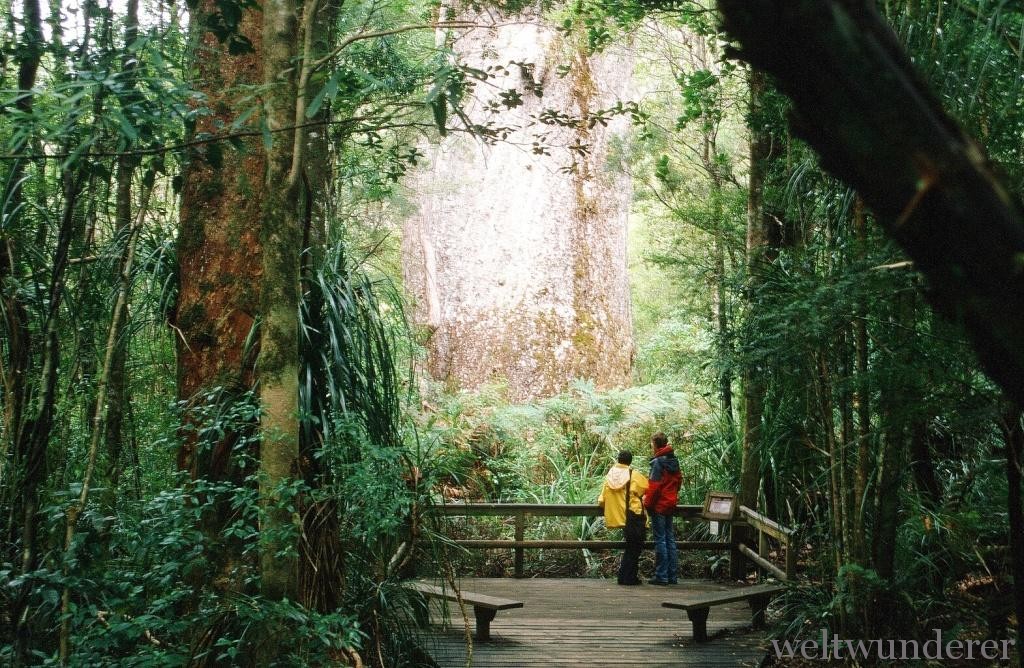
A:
<point x="859" y="103"/>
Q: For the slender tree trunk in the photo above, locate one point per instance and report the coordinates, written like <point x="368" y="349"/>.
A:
<point x="321" y="563"/>
<point x="99" y="414"/>
<point x="123" y="218"/>
<point x="862" y="400"/>
<point x="896" y="401"/>
<point x="721" y="308"/>
<point x="823" y="399"/>
<point x="33" y="447"/>
<point x="757" y="253"/>
<point x="1014" y="438"/>
<point x="28" y="462"/>
<point x="278" y="365"/>
<point x="921" y="465"/>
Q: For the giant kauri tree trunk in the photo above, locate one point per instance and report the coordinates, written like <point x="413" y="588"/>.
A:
<point x="517" y="253"/>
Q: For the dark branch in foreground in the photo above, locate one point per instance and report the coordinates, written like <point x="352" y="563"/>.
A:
<point x="859" y="103"/>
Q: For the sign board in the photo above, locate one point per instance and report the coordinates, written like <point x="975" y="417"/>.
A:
<point x="719" y="506"/>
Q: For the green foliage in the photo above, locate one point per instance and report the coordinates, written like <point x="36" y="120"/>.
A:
<point x="555" y="450"/>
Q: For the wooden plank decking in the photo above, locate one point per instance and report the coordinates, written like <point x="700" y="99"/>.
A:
<point x="592" y="622"/>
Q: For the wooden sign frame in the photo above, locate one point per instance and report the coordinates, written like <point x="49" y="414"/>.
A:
<point x="713" y="506"/>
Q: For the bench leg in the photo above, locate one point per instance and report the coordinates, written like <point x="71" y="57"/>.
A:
<point x="483" y="622"/>
<point x="699" y="620"/>
<point x="758" y="606"/>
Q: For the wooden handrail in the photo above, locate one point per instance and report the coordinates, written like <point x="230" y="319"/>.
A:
<point x="765" y="524"/>
<point x="580" y="544"/>
<point x="520" y="511"/>
<point x="746" y="517"/>
<point x="459" y="508"/>
<point x="762" y="562"/>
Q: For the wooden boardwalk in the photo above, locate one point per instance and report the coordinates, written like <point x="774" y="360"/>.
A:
<point x="592" y="622"/>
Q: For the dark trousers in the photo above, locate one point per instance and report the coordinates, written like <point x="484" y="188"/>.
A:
<point x="634" y="535"/>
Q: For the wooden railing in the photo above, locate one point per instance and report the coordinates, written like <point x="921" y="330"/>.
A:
<point x="766" y="527"/>
<point x="521" y="511"/>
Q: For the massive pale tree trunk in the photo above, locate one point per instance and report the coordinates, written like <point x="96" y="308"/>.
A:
<point x="518" y="259"/>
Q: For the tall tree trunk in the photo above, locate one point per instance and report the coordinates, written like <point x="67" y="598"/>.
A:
<point x="220" y="258"/>
<point x="278" y="365"/>
<point x="321" y="562"/>
<point x="921" y="465"/>
<point x="862" y="400"/>
<point x="32" y="449"/>
<point x="721" y="307"/>
<point x="28" y="460"/>
<point x="1014" y="439"/>
<point x="219" y="269"/>
<point x="549" y="300"/>
<point x="123" y="218"/>
<point x="99" y="412"/>
<point x="757" y="253"/>
<point x="896" y="404"/>
<point x="823" y="400"/>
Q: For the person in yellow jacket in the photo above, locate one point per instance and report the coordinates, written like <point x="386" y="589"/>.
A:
<point x="634" y="522"/>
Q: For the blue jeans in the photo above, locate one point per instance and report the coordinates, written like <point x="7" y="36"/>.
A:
<point x="666" y="558"/>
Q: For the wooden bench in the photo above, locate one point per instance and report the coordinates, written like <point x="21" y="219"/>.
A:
<point x="698" y="607"/>
<point x="484" y="607"/>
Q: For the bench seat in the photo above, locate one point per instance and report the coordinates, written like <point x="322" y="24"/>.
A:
<point x="698" y="607"/>
<point x="484" y="607"/>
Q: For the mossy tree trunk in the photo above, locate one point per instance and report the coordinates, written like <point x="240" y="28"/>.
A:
<point x="219" y="248"/>
<point x="219" y="266"/>
<point x="278" y="365"/>
<point x="754" y="385"/>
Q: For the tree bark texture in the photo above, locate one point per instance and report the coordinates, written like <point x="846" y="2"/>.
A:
<point x="278" y="365"/>
<point x="518" y="266"/>
<point x="219" y="249"/>
<point x="28" y="446"/>
<point x="116" y="391"/>
<point x="758" y="252"/>
<point x="860" y="104"/>
<point x="321" y="554"/>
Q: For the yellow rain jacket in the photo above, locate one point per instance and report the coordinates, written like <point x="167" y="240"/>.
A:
<point x="613" y="494"/>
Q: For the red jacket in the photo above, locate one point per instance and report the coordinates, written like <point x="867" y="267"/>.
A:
<point x="666" y="478"/>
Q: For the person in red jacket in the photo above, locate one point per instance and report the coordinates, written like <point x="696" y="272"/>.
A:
<point x="660" y="500"/>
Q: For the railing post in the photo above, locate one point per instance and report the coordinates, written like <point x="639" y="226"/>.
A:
<point x="520" y="535"/>
<point x="737" y="563"/>
<point x="790" y="557"/>
<point x="762" y="548"/>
